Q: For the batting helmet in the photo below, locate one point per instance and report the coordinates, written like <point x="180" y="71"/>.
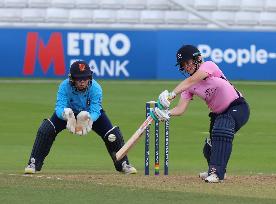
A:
<point x="185" y="53"/>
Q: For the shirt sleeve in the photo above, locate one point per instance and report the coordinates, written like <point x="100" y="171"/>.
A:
<point x="62" y="100"/>
<point x="96" y="101"/>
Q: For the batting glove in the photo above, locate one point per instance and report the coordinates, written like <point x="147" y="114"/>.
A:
<point x="161" y="115"/>
<point x="165" y="99"/>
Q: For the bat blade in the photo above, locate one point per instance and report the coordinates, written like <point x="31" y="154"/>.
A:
<point x="133" y="139"/>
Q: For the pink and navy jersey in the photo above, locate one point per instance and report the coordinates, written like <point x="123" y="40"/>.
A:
<point x="215" y="90"/>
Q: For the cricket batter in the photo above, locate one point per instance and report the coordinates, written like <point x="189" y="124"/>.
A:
<point x="229" y="109"/>
<point x="79" y="110"/>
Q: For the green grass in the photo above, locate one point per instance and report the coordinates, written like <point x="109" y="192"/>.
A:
<point x="29" y="190"/>
<point x="23" y="105"/>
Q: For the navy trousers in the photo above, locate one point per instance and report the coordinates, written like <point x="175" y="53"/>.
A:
<point x="238" y="109"/>
<point x="101" y="126"/>
<point x="223" y="126"/>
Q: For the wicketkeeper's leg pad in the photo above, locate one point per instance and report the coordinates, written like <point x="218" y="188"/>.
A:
<point x="45" y="137"/>
<point x="222" y="138"/>
<point x="114" y="141"/>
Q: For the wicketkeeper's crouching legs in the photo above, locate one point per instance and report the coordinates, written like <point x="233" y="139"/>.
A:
<point x="44" y="140"/>
<point x="113" y="140"/>
<point x="49" y="129"/>
<point x="45" y="137"/>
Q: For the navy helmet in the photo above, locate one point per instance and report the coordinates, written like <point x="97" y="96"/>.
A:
<point x="80" y="70"/>
<point x="185" y="53"/>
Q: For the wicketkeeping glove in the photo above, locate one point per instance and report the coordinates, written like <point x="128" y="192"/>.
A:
<point x="68" y="115"/>
<point x="165" y="99"/>
<point x="161" y="115"/>
<point x="84" y="123"/>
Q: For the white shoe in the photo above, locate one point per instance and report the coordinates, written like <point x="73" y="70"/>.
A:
<point x="213" y="178"/>
<point x="203" y="175"/>
<point x="30" y="169"/>
<point x="128" y="169"/>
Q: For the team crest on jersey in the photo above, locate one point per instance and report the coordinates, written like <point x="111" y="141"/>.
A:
<point x="82" y="67"/>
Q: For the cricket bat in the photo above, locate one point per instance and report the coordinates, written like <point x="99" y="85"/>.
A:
<point x="133" y="139"/>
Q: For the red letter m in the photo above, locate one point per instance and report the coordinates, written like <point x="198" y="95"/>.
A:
<point x="47" y="54"/>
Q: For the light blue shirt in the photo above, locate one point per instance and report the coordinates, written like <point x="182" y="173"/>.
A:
<point x="69" y="97"/>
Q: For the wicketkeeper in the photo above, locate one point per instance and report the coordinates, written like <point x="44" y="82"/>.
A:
<point x="79" y="110"/>
<point x="229" y="110"/>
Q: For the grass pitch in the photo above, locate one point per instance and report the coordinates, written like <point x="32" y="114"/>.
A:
<point x="79" y="170"/>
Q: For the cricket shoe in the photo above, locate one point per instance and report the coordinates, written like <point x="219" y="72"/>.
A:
<point x="204" y="175"/>
<point x="128" y="169"/>
<point x="213" y="178"/>
<point x="30" y="169"/>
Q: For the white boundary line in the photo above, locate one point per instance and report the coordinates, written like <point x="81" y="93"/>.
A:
<point x="137" y="82"/>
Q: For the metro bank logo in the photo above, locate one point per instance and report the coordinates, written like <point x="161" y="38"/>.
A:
<point x="52" y="52"/>
<point x="107" y="53"/>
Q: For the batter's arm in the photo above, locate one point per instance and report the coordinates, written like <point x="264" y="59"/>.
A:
<point x="190" y="81"/>
<point x="180" y="108"/>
